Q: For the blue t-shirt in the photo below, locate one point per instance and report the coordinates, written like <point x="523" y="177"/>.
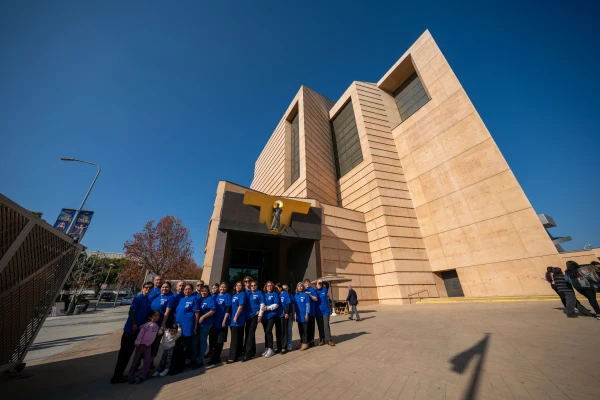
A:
<point x="214" y="296"/>
<point x="256" y="299"/>
<point x="186" y="314"/>
<point x="237" y="300"/>
<point x="223" y="301"/>
<point x="161" y="303"/>
<point x="302" y="302"/>
<point x="312" y="302"/>
<point x="284" y="302"/>
<point x="154" y="293"/>
<point x="207" y="304"/>
<point x="322" y="309"/>
<point x="270" y="299"/>
<point x="142" y="310"/>
<point x="174" y="302"/>
<point x="248" y="309"/>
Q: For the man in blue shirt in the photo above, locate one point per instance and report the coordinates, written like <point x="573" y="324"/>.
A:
<point x="312" y="293"/>
<point x="158" y="282"/>
<point x="138" y="315"/>
<point x="322" y="314"/>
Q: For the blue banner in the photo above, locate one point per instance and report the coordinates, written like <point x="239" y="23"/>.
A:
<point x="64" y="219"/>
<point x="82" y="223"/>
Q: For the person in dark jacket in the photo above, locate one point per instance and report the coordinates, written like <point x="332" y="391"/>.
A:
<point x="550" y="278"/>
<point x="352" y="299"/>
<point x="566" y="290"/>
<point x="582" y="285"/>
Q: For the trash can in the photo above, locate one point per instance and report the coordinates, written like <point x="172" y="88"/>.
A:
<point x="78" y="309"/>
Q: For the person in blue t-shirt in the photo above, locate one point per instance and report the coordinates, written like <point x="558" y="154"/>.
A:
<point x="238" y="320"/>
<point x="248" y="291"/>
<point x="205" y="322"/>
<point x="186" y="315"/>
<point x="138" y="315"/>
<point x="212" y="335"/>
<point x="301" y="308"/>
<point x="257" y="301"/>
<point x="160" y="304"/>
<point x="290" y="323"/>
<point x="312" y="293"/>
<point x="156" y="290"/>
<point x="270" y="317"/>
<point x="177" y="361"/>
<point x="285" y="304"/>
<point x="222" y="321"/>
<point x="322" y="314"/>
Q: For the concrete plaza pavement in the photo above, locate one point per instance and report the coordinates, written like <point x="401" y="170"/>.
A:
<point x="438" y="351"/>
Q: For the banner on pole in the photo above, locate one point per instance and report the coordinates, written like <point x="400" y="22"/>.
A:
<point x="82" y="222"/>
<point x="64" y="219"/>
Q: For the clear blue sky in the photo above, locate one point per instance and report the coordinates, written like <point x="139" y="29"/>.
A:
<point x="171" y="97"/>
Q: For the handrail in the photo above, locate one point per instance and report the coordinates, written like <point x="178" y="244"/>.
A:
<point x="417" y="293"/>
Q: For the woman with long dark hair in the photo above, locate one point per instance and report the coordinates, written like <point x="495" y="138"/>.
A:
<point x="270" y="317"/>
<point x="582" y="285"/>
<point x="186" y="315"/>
<point x="301" y="314"/>
<point x="238" y="320"/>
<point x="222" y="321"/>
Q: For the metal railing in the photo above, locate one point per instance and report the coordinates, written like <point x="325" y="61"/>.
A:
<point x="35" y="260"/>
<point x="418" y="294"/>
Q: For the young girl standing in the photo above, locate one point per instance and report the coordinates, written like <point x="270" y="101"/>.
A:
<point x="143" y="345"/>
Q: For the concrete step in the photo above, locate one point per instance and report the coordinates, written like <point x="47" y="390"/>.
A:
<point x="489" y="299"/>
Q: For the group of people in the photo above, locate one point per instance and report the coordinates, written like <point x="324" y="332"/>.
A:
<point x="191" y="325"/>
<point x="583" y="279"/>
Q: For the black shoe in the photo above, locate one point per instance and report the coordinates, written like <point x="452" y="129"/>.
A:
<point x="214" y="362"/>
<point x="174" y="372"/>
<point x="195" y="366"/>
<point x="350" y="318"/>
<point x="571" y="315"/>
<point x="119" y="379"/>
<point x="247" y="359"/>
<point x="277" y="351"/>
<point x="230" y="361"/>
<point x="358" y="320"/>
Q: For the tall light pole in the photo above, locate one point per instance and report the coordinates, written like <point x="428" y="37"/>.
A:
<point x="86" y="195"/>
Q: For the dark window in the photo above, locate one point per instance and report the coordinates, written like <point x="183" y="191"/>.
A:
<point x="346" y="143"/>
<point x="295" y="149"/>
<point x="410" y="96"/>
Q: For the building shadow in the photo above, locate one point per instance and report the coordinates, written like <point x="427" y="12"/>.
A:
<point x="461" y="361"/>
<point x="350" y="320"/>
<point x="60" y="342"/>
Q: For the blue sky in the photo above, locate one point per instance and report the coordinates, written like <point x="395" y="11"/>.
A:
<point x="171" y="97"/>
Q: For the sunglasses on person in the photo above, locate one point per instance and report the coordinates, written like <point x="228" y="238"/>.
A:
<point x="247" y="280"/>
<point x="254" y="285"/>
<point x="147" y="287"/>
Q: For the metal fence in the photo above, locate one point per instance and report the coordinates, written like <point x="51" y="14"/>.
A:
<point x="35" y="260"/>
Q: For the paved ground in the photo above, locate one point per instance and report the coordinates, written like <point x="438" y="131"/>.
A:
<point x="58" y="334"/>
<point x="447" y="351"/>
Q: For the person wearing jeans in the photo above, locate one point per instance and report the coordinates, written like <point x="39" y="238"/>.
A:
<point x="205" y="322"/>
<point x="322" y="314"/>
<point x="352" y="300"/>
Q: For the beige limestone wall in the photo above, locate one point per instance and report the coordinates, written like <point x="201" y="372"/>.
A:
<point x="345" y="251"/>
<point x="377" y="187"/>
<point x="473" y="214"/>
<point x="580" y="257"/>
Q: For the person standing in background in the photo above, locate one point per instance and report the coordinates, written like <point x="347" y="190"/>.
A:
<point x="352" y="300"/>
<point x="158" y="282"/>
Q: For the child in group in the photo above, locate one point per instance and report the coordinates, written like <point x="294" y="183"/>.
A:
<point x="143" y="344"/>
<point x="168" y="345"/>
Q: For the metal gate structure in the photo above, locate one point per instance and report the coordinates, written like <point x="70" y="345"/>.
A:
<point x="35" y="260"/>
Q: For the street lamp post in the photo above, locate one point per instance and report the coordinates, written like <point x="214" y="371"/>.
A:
<point x="88" y="192"/>
<point x="102" y="291"/>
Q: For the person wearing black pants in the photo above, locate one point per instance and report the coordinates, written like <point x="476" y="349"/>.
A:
<point x="550" y="278"/>
<point x="238" y="312"/>
<point x="312" y="294"/>
<point x="138" y="315"/>
<point x="281" y="329"/>
<point x="251" y="325"/>
<point x="582" y="285"/>
<point x="255" y="304"/>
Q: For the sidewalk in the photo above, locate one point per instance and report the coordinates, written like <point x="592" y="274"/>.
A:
<point x="457" y="351"/>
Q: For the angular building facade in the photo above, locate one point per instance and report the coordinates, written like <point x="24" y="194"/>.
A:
<point x="397" y="185"/>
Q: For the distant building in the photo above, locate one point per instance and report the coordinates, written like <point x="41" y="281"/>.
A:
<point x="105" y="254"/>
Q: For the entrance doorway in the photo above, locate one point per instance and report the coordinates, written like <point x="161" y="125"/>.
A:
<point x="452" y="283"/>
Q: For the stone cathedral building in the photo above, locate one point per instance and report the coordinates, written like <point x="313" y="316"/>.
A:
<point x="397" y="185"/>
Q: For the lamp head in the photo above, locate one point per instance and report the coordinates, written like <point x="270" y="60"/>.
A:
<point x="67" y="159"/>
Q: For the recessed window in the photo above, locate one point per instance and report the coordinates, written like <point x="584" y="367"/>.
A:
<point x="410" y="96"/>
<point x="295" y="149"/>
<point x="346" y="143"/>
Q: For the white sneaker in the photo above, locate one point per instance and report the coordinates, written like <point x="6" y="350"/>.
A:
<point x="289" y="347"/>
<point x="154" y="375"/>
<point x="270" y="353"/>
<point x="164" y="373"/>
<point x="264" y="353"/>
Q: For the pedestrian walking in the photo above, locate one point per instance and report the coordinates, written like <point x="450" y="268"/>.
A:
<point x="576" y="276"/>
<point x="352" y="300"/>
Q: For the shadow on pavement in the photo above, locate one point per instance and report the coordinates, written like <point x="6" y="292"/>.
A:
<point x="60" y="342"/>
<point x="461" y="361"/>
<point x="349" y="320"/>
